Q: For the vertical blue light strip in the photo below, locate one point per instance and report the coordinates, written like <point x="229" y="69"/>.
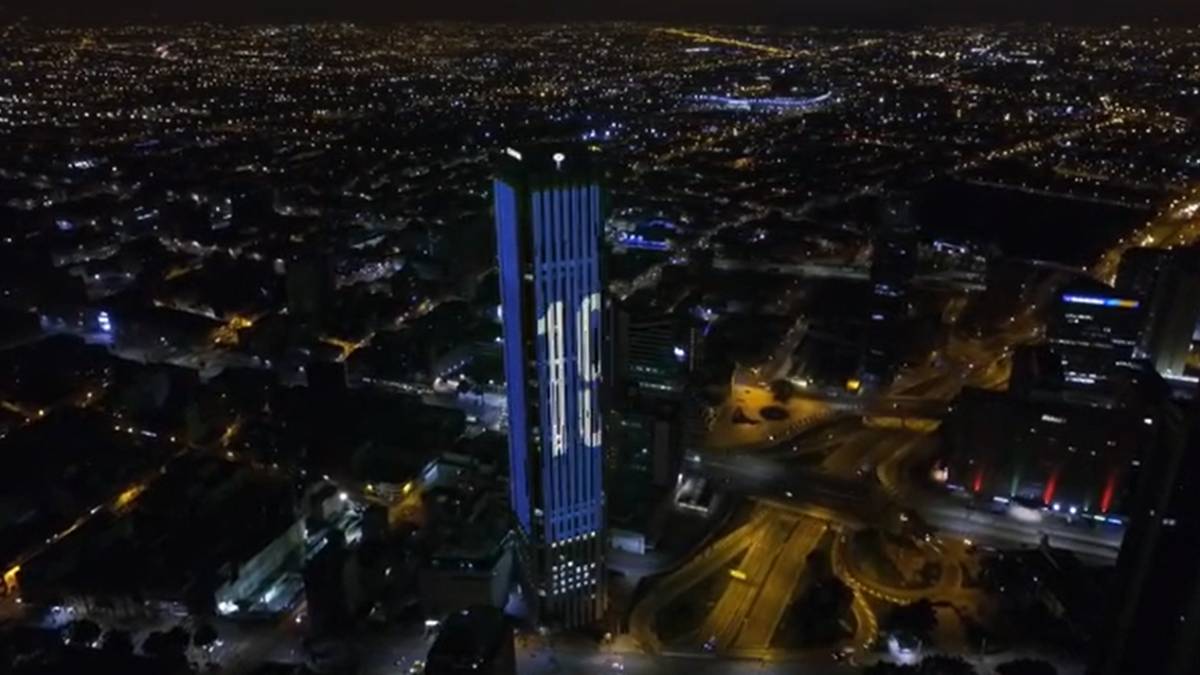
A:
<point x="565" y="223"/>
<point x="507" y="237"/>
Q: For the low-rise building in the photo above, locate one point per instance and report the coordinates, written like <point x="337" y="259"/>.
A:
<point x="205" y="536"/>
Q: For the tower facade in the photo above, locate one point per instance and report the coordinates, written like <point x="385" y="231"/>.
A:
<point x="1095" y="332"/>
<point x="893" y="265"/>
<point x="1154" y="607"/>
<point x="549" y="223"/>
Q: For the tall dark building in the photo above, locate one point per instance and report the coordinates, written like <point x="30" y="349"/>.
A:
<point x="1034" y="367"/>
<point x="653" y="349"/>
<point x="549" y="222"/>
<point x="475" y="641"/>
<point x="329" y="605"/>
<point x="1171" y="320"/>
<point x="310" y="284"/>
<point x="327" y="378"/>
<point x="1167" y="281"/>
<point x="893" y="265"/>
<point x="1139" y="270"/>
<point x="652" y="356"/>
<point x="1154" y="622"/>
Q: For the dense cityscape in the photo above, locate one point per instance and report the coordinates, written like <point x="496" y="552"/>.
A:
<point x="599" y="347"/>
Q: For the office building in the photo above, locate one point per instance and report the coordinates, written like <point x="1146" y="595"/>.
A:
<point x="327" y="378"/>
<point x="469" y="537"/>
<point x="1167" y="281"/>
<point x="1046" y="443"/>
<point x="893" y="265"/>
<point x="1034" y="368"/>
<point x="1094" y="332"/>
<point x="654" y="346"/>
<point x="332" y="594"/>
<point x="1154" y="615"/>
<point x="1171" y="319"/>
<point x="311" y="285"/>
<point x="472" y="563"/>
<point x="475" y="641"/>
<point x="1048" y="450"/>
<point x="653" y="349"/>
<point x="549" y="219"/>
<point x="1139" y="270"/>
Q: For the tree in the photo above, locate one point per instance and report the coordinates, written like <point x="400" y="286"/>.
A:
<point x="885" y="668"/>
<point x="818" y="613"/>
<point x="1026" y="667"/>
<point x="171" y="645"/>
<point x="155" y="644"/>
<point x="117" y="641"/>
<point x="178" y="640"/>
<point x="945" y="665"/>
<point x="918" y="618"/>
<point x="977" y="635"/>
<point x="204" y="636"/>
<point x="83" y="631"/>
<point x="818" y="565"/>
<point x="782" y="390"/>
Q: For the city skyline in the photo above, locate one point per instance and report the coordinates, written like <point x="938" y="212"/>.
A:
<point x="851" y="13"/>
<point x="575" y="347"/>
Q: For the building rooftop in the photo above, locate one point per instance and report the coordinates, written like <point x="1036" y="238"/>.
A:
<point x="175" y="535"/>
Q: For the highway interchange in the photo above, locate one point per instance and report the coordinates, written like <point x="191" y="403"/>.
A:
<point x="865" y="451"/>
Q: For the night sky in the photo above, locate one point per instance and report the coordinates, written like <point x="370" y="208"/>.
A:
<point x="848" y="12"/>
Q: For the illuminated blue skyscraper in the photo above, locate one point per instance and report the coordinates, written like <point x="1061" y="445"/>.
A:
<point x="549" y="221"/>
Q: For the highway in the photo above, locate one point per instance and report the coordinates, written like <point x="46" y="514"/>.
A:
<point x="779" y="587"/>
<point x="769" y="551"/>
<point x="864" y="448"/>
<point x="855" y="270"/>
<point x="709" y="38"/>
<point x="949" y="587"/>
<point x="711" y="560"/>
<point x="726" y="619"/>
<point x="859" y="481"/>
<point x="1094" y="541"/>
<point x="866" y="625"/>
<point x="1178" y="224"/>
<point x="862" y="476"/>
<point x="804" y="491"/>
<point x="862" y="480"/>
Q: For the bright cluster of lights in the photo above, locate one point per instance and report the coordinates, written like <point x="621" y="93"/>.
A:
<point x="1099" y="301"/>
<point x="572" y="577"/>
